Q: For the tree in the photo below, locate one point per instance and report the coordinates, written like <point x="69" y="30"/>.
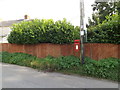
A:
<point x="101" y="10"/>
<point x="94" y="21"/>
<point x="118" y="7"/>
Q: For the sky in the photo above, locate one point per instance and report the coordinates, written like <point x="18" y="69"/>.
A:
<point x="45" y="9"/>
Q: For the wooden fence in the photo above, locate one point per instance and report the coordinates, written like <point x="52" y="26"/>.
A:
<point x="95" y="51"/>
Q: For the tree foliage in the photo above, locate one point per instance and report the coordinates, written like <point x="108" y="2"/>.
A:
<point x="101" y="10"/>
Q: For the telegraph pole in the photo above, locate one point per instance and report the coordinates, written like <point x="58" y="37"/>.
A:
<point x="82" y="30"/>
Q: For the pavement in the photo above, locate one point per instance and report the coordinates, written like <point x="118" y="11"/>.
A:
<point x="14" y="76"/>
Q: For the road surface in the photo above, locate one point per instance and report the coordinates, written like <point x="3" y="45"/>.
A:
<point x="14" y="76"/>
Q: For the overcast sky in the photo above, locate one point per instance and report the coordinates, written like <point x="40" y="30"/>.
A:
<point x="47" y="9"/>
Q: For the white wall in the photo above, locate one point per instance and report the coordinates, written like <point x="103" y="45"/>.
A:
<point x="4" y="31"/>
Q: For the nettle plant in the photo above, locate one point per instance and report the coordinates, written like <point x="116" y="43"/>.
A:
<point x="43" y="31"/>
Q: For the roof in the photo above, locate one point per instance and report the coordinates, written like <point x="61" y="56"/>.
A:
<point x="10" y="22"/>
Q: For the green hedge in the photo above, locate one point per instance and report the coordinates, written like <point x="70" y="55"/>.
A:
<point x="43" y="31"/>
<point x="105" y="68"/>
<point x="107" y="32"/>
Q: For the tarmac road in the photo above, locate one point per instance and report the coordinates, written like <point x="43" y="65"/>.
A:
<point x="14" y="76"/>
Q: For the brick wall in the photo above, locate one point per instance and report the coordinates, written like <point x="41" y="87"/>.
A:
<point x="95" y="51"/>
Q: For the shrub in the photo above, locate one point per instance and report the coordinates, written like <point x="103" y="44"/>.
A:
<point x="107" y="32"/>
<point x="43" y="31"/>
<point x="105" y="68"/>
<point x="68" y="62"/>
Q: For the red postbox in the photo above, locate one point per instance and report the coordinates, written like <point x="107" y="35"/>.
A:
<point x="76" y="45"/>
